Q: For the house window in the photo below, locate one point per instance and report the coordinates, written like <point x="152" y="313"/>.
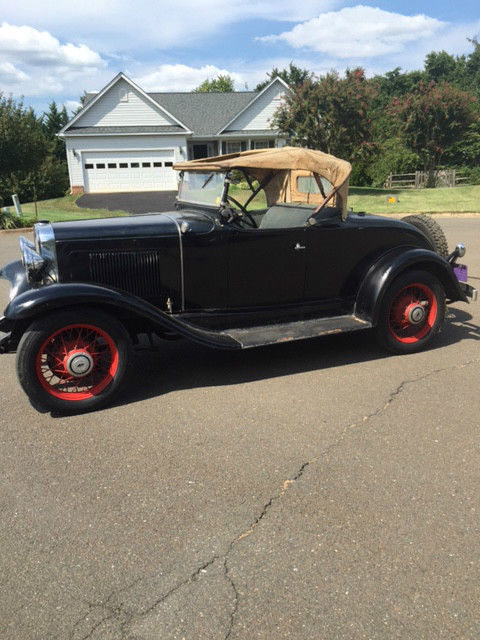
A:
<point x="234" y="146"/>
<point x="101" y="165"/>
<point x="112" y="165"/>
<point x="157" y="164"/>
<point x="146" y="165"/>
<point x="134" y="165"/>
<point x="89" y="166"/>
<point x="169" y="164"/>
<point x="123" y="95"/>
<point x="123" y="165"/>
<point x="260" y="144"/>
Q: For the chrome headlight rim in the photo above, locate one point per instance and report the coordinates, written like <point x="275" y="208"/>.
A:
<point x="33" y="262"/>
<point x="46" y="247"/>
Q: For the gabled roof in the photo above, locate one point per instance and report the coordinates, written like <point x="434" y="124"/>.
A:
<point x="204" y="115"/>
<point x="95" y="98"/>
<point x="257" y="96"/>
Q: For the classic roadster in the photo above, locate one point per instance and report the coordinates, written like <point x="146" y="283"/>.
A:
<point x="259" y="250"/>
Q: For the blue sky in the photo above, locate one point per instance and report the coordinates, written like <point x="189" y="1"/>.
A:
<point x="52" y="50"/>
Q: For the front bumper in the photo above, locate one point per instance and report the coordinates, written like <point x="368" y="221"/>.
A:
<point x="469" y="291"/>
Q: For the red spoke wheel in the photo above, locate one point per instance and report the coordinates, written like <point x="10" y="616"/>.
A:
<point x="73" y="361"/>
<point x="411" y="313"/>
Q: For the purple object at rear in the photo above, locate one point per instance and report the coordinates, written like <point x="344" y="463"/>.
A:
<point x="460" y="271"/>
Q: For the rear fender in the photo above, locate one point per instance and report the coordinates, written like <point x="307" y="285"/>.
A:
<point x="389" y="266"/>
<point x="25" y="307"/>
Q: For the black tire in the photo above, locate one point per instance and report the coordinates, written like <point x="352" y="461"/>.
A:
<point x="400" y="326"/>
<point x="89" y="342"/>
<point x="432" y="230"/>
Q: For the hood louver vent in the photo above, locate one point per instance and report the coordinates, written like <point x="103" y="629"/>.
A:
<point x="137" y="272"/>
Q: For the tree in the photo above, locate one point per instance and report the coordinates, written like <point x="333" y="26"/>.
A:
<point x="53" y="121"/>
<point x="23" y="144"/>
<point x="222" y="84"/>
<point x="440" y="66"/>
<point x="433" y="118"/>
<point x="331" y="114"/>
<point x="294" y="76"/>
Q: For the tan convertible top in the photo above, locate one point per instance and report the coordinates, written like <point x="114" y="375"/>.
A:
<point x="288" y="161"/>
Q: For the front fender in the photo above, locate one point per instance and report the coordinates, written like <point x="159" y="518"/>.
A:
<point x="392" y="264"/>
<point x="15" y="273"/>
<point x="35" y="302"/>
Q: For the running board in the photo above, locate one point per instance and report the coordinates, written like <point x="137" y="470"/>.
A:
<point x="299" y="330"/>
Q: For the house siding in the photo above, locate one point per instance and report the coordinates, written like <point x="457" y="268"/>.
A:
<point x="76" y="146"/>
<point x="260" y="114"/>
<point x="111" y="111"/>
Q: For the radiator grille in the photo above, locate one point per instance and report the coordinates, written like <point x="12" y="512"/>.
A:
<point x="135" y="271"/>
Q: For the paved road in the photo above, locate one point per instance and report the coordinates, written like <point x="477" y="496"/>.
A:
<point x="142" y="202"/>
<point x="312" y="490"/>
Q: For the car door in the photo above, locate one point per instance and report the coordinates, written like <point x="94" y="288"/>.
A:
<point x="266" y="267"/>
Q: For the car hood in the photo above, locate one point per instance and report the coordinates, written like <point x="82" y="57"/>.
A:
<point x="134" y="226"/>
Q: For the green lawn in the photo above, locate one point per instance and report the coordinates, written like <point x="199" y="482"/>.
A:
<point x="443" y="200"/>
<point x="61" y="209"/>
<point x="457" y="200"/>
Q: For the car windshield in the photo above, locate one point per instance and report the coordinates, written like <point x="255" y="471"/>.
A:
<point x="201" y="188"/>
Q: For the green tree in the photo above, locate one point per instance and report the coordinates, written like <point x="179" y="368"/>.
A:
<point x="53" y="121"/>
<point x="432" y="119"/>
<point x="222" y="84"/>
<point x="294" y="76"/>
<point x="332" y="114"/>
<point x="23" y="145"/>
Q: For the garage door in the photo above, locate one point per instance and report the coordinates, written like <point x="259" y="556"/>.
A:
<point x="129" y="171"/>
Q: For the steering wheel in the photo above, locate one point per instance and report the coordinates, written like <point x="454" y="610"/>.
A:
<point x="249" y="220"/>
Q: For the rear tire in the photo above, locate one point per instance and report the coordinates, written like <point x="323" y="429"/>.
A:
<point x="432" y="230"/>
<point x="411" y="313"/>
<point x="73" y="361"/>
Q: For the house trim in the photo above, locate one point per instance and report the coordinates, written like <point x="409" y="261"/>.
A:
<point x="100" y="94"/>
<point x="277" y="79"/>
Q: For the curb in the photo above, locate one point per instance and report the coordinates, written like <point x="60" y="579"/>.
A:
<point x="20" y="230"/>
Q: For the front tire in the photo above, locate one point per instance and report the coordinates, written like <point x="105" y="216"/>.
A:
<point x="411" y="313"/>
<point x="73" y="361"/>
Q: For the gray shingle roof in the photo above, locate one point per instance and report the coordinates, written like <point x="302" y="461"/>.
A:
<point x="203" y="113"/>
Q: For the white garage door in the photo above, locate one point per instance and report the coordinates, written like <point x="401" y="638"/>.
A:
<point x="109" y="171"/>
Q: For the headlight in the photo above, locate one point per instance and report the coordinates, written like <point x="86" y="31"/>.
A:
<point x="40" y="259"/>
<point x="32" y="261"/>
<point x="45" y="243"/>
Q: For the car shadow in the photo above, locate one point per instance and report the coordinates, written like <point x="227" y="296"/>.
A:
<point x="181" y="364"/>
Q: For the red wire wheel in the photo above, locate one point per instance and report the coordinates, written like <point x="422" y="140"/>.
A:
<point x="73" y="360"/>
<point x="413" y="313"/>
<point x="77" y="362"/>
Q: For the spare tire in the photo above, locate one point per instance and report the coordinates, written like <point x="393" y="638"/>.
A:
<point x="432" y="230"/>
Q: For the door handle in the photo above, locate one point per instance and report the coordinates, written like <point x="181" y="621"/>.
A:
<point x="299" y="247"/>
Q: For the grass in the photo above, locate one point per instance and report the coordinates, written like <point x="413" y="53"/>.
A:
<point x="63" y="209"/>
<point x="442" y="200"/>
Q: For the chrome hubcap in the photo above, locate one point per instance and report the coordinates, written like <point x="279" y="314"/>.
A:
<point x="79" y="364"/>
<point x="416" y="314"/>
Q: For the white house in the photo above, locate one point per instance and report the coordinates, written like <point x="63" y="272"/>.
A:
<point x="125" y="139"/>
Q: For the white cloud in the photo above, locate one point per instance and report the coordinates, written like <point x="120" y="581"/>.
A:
<point x="359" y="32"/>
<point x="71" y="105"/>
<point x="181" y="77"/>
<point x="9" y="74"/>
<point x="36" y="63"/>
<point x="35" y="47"/>
<point x="122" y="25"/>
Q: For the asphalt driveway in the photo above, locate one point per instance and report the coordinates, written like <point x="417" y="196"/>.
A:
<point x="137" y="202"/>
<point x="317" y="490"/>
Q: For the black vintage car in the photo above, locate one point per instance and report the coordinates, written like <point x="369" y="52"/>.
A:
<point x="260" y="250"/>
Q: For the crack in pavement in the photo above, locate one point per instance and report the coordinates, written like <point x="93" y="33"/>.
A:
<point x="118" y="612"/>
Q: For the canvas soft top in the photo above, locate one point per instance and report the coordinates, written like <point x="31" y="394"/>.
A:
<point x="286" y="161"/>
